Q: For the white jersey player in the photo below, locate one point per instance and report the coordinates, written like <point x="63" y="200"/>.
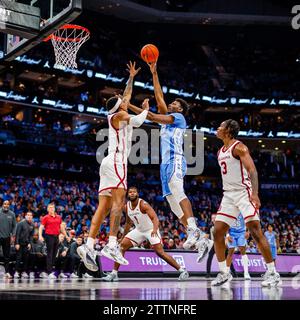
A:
<point x="146" y="227"/>
<point x="240" y="186"/>
<point x="113" y="175"/>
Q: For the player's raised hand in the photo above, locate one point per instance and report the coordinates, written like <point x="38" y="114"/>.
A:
<point x="255" y="200"/>
<point x="145" y="104"/>
<point x="152" y="66"/>
<point x="131" y="68"/>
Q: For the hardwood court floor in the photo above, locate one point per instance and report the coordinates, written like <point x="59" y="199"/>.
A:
<point x="196" y="288"/>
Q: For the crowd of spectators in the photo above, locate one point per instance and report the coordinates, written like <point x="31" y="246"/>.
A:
<point x="279" y="166"/>
<point x="77" y="201"/>
<point x="58" y="135"/>
<point x="49" y="133"/>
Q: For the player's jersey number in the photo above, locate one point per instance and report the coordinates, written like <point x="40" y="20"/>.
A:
<point x="224" y="167"/>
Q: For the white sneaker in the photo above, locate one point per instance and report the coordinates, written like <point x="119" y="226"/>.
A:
<point x="62" y="276"/>
<point x="184" y="275"/>
<point x="74" y="276"/>
<point x="8" y="275"/>
<point x="194" y="236"/>
<point x="44" y="275"/>
<point x="271" y="279"/>
<point x="204" y="246"/>
<point x="88" y="257"/>
<point x="264" y="276"/>
<point x="24" y="275"/>
<point x="221" y="279"/>
<point x="114" y="254"/>
<point x="87" y="276"/>
<point x="111" y="277"/>
<point x="247" y="276"/>
<point x="31" y="275"/>
<point x="52" y="276"/>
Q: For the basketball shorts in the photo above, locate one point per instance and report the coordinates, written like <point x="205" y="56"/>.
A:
<point x="234" y="202"/>
<point x="113" y="175"/>
<point x="137" y="237"/>
<point x="238" y="240"/>
<point x="172" y="175"/>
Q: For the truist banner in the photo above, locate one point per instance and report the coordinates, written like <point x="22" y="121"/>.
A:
<point x="148" y="261"/>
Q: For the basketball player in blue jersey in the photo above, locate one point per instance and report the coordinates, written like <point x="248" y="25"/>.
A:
<point x="173" y="167"/>
<point x="236" y="238"/>
<point x="273" y="240"/>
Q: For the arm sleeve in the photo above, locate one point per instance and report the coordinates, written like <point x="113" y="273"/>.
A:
<point x="179" y="120"/>
<point x="138" y="120"/>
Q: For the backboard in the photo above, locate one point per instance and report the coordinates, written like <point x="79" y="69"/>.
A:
<point x="26" y="23"/>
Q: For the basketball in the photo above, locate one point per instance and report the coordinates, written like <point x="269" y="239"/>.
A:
<point x="149" y="53"/>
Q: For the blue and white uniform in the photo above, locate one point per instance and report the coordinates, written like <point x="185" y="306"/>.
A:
<point x="173" y="167"/>
<point x="237" y="233"/>
<point x="271" y="237"/>
<point x="173" y="161"/>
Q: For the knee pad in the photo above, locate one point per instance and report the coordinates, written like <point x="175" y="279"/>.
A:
<point x="176" y="187"/>
<point x="175" y="206"/>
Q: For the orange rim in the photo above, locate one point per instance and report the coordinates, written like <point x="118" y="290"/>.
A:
<point x="67" y="26"/>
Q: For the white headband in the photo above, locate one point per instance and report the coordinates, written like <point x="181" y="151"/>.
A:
<point x="115" y="107"/>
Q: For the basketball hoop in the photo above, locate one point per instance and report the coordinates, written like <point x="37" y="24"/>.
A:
<point x="66" y="42"/>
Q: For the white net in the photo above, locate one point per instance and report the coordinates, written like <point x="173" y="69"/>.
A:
<point x="66" y="42"/>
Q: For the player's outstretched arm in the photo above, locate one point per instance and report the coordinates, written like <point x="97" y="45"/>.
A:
<point x="135" y="121"/>
<point x="147" y="209"/>
<point x="159" y="96"/>
<point x="158" y="118"/>
<point x="134" y="108"/>
<point x="131" y="68"/>
<point x="243" y="153"/>
<point x="154" y="117"/>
